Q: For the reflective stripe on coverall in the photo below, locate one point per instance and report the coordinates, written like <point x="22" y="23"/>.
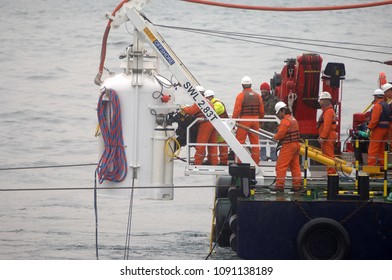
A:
<point x="289" y="153"/>
<point x="380" y="132"/>
<point x="327" y="132"/>
<point x="249" y="105"/>
<point x="206" y="134"/>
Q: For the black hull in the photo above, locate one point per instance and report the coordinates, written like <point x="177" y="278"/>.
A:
<point x="271" y="229"/>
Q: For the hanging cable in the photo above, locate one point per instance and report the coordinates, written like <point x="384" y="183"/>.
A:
<point x="96" y="215"/>
<point x="127" y="248"/>
<point x="291" y="9"/>
<point x="240" y="37"/>
<point x="113" y="163"/>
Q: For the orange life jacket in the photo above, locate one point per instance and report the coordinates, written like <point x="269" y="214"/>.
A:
<point x="292" y="134"/>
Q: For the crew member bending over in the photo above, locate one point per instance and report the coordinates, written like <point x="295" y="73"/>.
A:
<point x="205" y="134"/>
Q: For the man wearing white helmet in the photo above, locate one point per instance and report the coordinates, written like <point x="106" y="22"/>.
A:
<point x="220" y="109"/>
<point x="379" y="129"/>
<point x="249" y="105"/>
<point x="288" y="136"/>
<point x="387" y="88"/>
<point x="206" y="134"/>
<point x="326" y="125"/>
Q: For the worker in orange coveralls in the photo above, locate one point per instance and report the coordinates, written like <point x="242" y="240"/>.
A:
<point x="288" y="136"/>
<point x="249" y="105"/>
<point x="379" y="129"/>
<point x="326" y="125"/>
<point x="206" y="134"/>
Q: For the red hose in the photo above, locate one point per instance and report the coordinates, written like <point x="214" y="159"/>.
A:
<point x="97" y="79"/>
<point x="292" y="9"/>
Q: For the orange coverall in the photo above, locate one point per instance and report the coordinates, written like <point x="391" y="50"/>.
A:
<point x="258" y="113"/>
<point x="378" y="137"/>
<point x="289" y="153"/>
<point x="206" y="134"/>
<point x="327" y="132"/>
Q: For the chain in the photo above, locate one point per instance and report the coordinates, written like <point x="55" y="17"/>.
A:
<point x="352" y="214"/>
<point x="306" y="214"/>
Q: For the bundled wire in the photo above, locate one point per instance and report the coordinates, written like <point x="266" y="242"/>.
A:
<point x="113" y="163"/>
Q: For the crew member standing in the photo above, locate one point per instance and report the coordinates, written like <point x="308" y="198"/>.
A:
<point x="205" y="134"/>
<point x="288" y="136"/>
<point x="379" y="129"/>
<point x="220" y="109"/>
<point x="269" y="101"/>
<point x="327" y="128"/>
<point x="249" y="105"/>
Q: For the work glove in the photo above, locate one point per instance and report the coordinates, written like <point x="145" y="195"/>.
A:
<point x="363" y="134"/>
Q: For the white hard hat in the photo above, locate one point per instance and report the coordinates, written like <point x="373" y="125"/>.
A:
<point x="279" y="106"/>
<point x="378" y="92"/>
<point x="200" y="89"/>
<point x="209" y="93"/>
<point x="386" y="86"/>
<point x="325" y="95"/>
<point x="246" y="80"/>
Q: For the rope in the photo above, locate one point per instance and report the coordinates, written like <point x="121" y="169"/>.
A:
<point x="113" y="163"/>
<point x="291" y="9"/>
<point x="170" y="151"/>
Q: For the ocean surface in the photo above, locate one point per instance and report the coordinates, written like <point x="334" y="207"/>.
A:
<point x="49" y="56"/>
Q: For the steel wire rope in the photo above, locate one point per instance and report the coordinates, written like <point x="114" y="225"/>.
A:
<point x="291" y="9"/>
<point x="291" y="48"/>
<point x="96" y="215"/>
<point x="112" y="165"/>
<point x="129" y="224"/>
<point x="46" y="166"/>
<point x="284" y="39"/>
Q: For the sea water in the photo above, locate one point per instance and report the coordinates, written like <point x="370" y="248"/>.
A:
<point x="49" y="56"/>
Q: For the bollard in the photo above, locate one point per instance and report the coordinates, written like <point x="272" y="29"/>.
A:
<point x="363" y="187"/>
<point x="333" y="186"/>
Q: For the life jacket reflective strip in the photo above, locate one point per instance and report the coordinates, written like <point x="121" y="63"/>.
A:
<point x="385" y="115"/>
<point x="292" y="134"/>
<point x="251" y="104"/>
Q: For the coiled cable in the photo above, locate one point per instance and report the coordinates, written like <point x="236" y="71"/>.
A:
<point x="113" y="163"/>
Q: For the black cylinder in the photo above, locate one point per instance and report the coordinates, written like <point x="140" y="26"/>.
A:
<point x="363" y="187"/>
<point x="333" y="186"/>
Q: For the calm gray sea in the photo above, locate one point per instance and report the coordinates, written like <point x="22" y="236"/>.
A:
<point x="49" y="55"/>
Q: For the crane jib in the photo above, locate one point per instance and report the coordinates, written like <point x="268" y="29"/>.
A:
<point x="159" y="46"/>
